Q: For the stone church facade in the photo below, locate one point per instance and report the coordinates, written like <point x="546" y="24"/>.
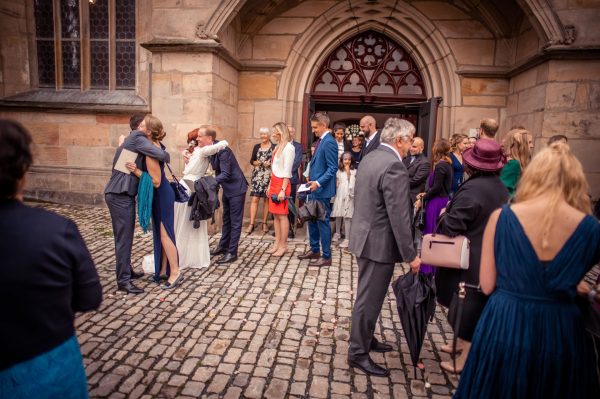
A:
<point x="73" y="71"/>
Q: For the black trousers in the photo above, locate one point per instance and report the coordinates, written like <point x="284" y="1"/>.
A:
<point x="373" y="282"/>
<point x="122" y="214"/>
<point x="233" y="214"/>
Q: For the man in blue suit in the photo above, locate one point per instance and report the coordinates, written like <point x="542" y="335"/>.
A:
<point x="230" y="177"/>
<point x="322" y="172"/>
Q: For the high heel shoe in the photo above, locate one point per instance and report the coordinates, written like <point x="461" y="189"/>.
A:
<point x="170" y="286"/>
<point x="250" y="228"/>
<point x="265" y="227"/>
<point x="272" y="250"/>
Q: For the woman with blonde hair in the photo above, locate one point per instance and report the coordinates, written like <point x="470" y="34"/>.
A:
<point x="530" y="341"/>
<point x="166" y="258"/>
<point x="516" y="149"/>
<point x="279" y="186"/>
<point x="439" y="185"/>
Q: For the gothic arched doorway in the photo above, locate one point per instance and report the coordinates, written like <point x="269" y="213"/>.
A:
<point x="371" y="74"/>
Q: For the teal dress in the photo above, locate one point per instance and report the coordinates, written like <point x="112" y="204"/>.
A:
<point x="510" y="175"/>
<point x="530" y="341"/>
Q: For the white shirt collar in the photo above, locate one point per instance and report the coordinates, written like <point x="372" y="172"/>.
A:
<point x="324" y="134"/>
<point x="393" y="149"/>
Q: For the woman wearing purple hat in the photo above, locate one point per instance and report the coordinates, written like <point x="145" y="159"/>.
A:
<point x="467" y="214"/>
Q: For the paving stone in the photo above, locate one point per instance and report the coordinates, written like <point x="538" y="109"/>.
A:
<point x="255" y="388"/>
<point x="262" y="327"/>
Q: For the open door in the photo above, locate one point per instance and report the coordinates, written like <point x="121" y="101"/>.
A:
<point x="427" y="122"/>
<point x="308" y="109"/>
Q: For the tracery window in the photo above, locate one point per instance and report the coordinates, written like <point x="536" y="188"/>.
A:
<point x="370" y="63"/>
<point x="86" y="44"/>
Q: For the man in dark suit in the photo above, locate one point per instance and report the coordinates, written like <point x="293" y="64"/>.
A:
<point x="295" y="180"/>
<point x="321" y="178"/>
<point x="372" y="135"/>
<point x="418" y="167"/>
<point x="380" y="236"/>
<point x="230" y="177"/>
<point x="119" y="195"/>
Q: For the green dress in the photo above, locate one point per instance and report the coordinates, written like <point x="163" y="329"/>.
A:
<point x="510" y="175"/>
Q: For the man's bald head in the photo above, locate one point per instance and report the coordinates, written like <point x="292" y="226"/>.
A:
<point x="417" y="147"/>
<point x="368" y="125"/>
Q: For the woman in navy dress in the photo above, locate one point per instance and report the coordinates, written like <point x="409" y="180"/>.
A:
<point x="459" y="143"/>
<point x="530" y="341"/>
<point x="166" y="258"/>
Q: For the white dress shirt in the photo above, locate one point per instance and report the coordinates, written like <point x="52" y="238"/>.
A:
<point x="283" y="160"/>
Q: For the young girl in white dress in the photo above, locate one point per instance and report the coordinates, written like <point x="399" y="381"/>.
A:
<point x="343" y="207"/>
<point x="192" y="244"/>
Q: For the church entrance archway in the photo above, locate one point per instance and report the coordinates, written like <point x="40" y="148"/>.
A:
<point x="371" y="74"/>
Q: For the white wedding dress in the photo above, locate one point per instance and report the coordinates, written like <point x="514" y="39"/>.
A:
<point x="192" y="244"/>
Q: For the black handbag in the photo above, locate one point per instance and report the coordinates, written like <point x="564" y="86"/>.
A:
<point x="470" y="300"/>
<point x="180" y="192"/>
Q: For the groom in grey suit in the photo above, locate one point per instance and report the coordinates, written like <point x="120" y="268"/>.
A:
<point x="380" y="236"/>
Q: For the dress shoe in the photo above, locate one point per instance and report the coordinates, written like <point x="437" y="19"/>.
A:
<point x="368" y="366"/>
<point x="227" y="258"/>
<point x="154" y="279"/>
<point x="291" y="235"/>
<point x="170" y="286"/>
<point x="218" y="251"/>
<point x="320" y="262"/>
<point x="310" y="255"/>
<point x="134" y="275"/>
<point x="130" y="289"/>
<point x="380" y="347"/>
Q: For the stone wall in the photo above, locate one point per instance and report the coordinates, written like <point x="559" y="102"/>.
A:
<point x="260" y="67"/>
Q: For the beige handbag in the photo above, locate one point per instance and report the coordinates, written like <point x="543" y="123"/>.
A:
<point x="443" y="251"/>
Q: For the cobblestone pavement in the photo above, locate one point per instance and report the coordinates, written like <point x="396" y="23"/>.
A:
<point x="261" y="327"/>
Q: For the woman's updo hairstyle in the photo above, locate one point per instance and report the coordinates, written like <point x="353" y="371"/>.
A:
<point x="15" y="156"/>
<point x="155" y="127"/>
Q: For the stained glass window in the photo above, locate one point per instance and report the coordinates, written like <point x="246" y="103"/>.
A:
<point x="44" y="36"/>
<point x="110" y="54"/>
<point x="369" y="63"/>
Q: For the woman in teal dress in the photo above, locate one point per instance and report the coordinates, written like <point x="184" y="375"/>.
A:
<point x="530" y="341"/>
<point x="516" y="148"/>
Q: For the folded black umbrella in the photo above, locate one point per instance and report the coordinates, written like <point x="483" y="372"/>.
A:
<point x="415" y="299"/>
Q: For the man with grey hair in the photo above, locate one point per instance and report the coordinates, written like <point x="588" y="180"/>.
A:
<point x="380" y="236"/>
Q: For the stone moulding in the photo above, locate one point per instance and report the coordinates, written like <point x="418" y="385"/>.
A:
<point x="76" y="101"/>
<point x="212" y="46"/>
<point x="557" y="52"/>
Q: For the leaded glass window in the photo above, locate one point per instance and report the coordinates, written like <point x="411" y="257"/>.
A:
<point x="87" y="44"/>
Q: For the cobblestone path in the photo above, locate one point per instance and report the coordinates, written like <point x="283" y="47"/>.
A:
<point x="259" y="328"/>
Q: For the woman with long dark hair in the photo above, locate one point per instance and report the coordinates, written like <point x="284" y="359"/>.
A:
<point x="437" y="195"/>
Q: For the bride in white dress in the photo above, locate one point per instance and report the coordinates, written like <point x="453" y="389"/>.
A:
<point x="192" y="244"/>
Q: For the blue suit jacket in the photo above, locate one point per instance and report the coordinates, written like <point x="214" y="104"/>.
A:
<point x="323" y="168"/>
<point x="228" y="173"/>
<point x="296" y="165"/>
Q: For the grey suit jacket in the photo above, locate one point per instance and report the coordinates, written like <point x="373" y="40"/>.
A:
<point x="122" y="183"/>
<point x="380" y="229"/>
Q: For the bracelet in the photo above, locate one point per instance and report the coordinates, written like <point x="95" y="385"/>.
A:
<point x="592" y="295"/>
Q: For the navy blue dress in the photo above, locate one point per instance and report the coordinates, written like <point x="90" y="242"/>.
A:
<point x="163" y="211"/>
<point x="530" y="341"/>
<point x="457" y="173"/>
